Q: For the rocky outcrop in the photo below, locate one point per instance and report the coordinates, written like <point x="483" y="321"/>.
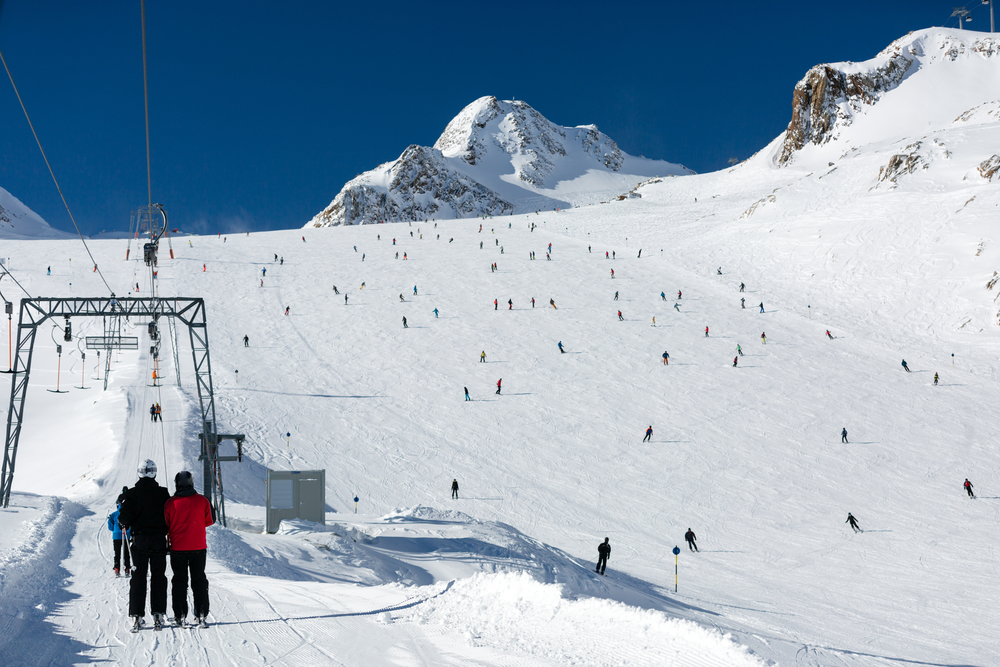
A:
<point x="826" y="99"/>
<point x="990" y="167"/>
<point x="897" y="166"/>
<point x="420" y="185"/>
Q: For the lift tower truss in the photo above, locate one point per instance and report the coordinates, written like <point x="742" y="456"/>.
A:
<point x="190" y="311"/>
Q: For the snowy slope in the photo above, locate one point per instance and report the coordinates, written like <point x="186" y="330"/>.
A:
<point x="17" y="221"/>
<point x="496" y="158"/>
<point x="748" y="457"/>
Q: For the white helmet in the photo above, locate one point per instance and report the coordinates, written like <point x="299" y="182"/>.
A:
<point x="147" y="469"/>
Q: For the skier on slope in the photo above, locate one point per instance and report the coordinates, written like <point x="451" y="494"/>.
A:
<point x="561" y="350"/>
<point x="739" y="350"/>
<point x="690" y="537"/>
<point x="829" y="335"/>
<point x="454" y="489"/>
<point x="188" y="514"/>
<point x="666" y="358"/>
<point x="552" y="302"/>
<point x="510" y="304"/>
<point x="495" y="306"/>
<point x="482" y="357"/>
<point x="435" y="312"/>
<point x="498" y="385"/>
<point x="677" y="307"/>
<point x="905" y="367"/>
<point x="649" y="433"/>
<point x="117" y="541"/>
<point x="663" y="296"/>
<point x="843" y="435"/>
<point x="735" y="361"/>
<point x="706" y="332"/>
<point x="404" y="323"/>
<point x="743" y="303"/>
<point x="678" y="295"/>
<point x="762" y="306"/>
<point x="968" y="488"/>
<point x="335" y="290"/>
<point x="246" y="341"/>
<point x="612" y="274"/>
<point x="763" y="338"/>
<point x="854" y="523"/>
<point x="603" y="553"/>
<point x="620" y="318"/>
<point x="466" y="393"/>
<point x="935" y="379"/>
<point x="616" y="296"/>
<point x="742" y="287"/>
<point x="142" y="513"/>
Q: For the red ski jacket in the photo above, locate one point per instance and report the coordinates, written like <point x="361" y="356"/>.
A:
<point x="187" y="518"/>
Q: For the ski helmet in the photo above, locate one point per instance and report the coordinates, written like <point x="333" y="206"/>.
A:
<point x="183" y="478"/>
<point x="147" y="469"/>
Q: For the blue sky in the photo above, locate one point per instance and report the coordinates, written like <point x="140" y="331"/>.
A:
<point x="261" y="111"/>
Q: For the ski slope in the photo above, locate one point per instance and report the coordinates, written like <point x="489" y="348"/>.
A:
<point x="749" y="457"/>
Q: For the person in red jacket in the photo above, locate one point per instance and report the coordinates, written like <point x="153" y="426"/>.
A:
<point x="188" y="513"/>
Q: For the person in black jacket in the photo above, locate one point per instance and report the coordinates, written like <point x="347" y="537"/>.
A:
<point x="454" y="489"/>
<point x="142" y="513"/>
<point x="603" y="553"/>
<point x="690" y="537"/>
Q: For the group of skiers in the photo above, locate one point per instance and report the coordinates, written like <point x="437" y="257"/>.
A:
<point x="154" y="412"/>
<point x="147" y="525"/>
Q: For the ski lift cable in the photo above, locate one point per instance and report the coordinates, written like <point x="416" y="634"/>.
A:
<point x="6" y="272"/>
<point x="52" y="173"/>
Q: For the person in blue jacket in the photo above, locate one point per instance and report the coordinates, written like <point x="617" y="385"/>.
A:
<point x="117" y="536"/>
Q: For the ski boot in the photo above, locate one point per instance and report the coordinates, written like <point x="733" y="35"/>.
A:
<point x="158" y="621"/>
<point x="137" y="623"/>
<point x="179" y="621"/>
<point x="201" y="621"/>
<point x="128" y="572"/>
<point x="117" y="573"/>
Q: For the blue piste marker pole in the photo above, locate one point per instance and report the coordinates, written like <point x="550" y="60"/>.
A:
<point x="355" y="504"/>
<point x="288" y="440"/>
<point x="677" y="551"/>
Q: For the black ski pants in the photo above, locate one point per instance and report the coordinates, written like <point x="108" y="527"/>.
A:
<point x="119" y="544"/>
<point x="692" y="546"/>
<point x="648" y="436"/>
<point x="602" y="563"/>
<point x="454" y="494"/>
<point x="181" y="562"/>
<point x="843" y="438"/>
<point x="149" y="555"/>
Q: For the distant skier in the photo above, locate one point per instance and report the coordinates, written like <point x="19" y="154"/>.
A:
<point x="677" y="307"/>
<point x="401" y="297"/>
<point x="649" y="433"/>
<point x="639" y="256"/>
<point x="482" y="357"/>
<point x="287" y="309"/>
<point x="204" y="268"/>
<point x="743" y="303"/>
<point x="678" y="295"/>
<point x="335" y="290"/>
<point x="666" y="358"/>
<point x="404" y="323"/>
<point x="654" y="321"/>
<point x="435" y="312"/>
<point x="616" y="296"/>
<point x="763" y="338"/>
<point x="735" y="361"/>
<point x="48" y="271"/>
<point x="552" y="303"/>
<point x="152" y="412"/>
<point x="362" y="287"/>
<point x="510" y="304"/>
<point x="606" y="255"/>
<point x="829" y="335"/>
<point x="739" y="350"/>
<point x="620" y="318"/>
<point x="762" y="306"/>
<point x="498" y="385"/>
<point x="345" y="299"/>
<point x="742" y="287"/>
<point x="158" y="410"/>
<point x="603" y="553"/>
<point x="263" y="272"/>
<point x="466" y="393"/>
<point x="663" y="296"/>
<point x="843" y="435"/>
<point x="905" y="367"/>
<point x="454" y="489"/>
<point x="968" y="488"/>
<point x="414" y="290"/>
<point x="612" y="274"/>
<point x="706" y="332"/>
<point x="275" y="255"/>
<point x="719" y="271"/>
<point x="561" y="348"/>
<point x="690" y="537"/>
<point x="495" y="306"/>
<point x="282" y="261"/>
<point x="935" y="379"/>
<point x="246" y="341"/>
<point x="854" y="523"/>
<point x="532" y="302"/>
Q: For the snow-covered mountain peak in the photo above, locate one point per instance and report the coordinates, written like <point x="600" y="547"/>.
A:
<point x="17" y="221"/>
<point x="923" y="79"/>
<point x="495" y="157"/>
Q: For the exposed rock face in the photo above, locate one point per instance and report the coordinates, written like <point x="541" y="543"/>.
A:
<point x="420" y="185"/>
<point x="897" y="166"/>
<point x="990" y="167"/>
<point x="826" y="98"/>
<point x="493" y="158"/>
